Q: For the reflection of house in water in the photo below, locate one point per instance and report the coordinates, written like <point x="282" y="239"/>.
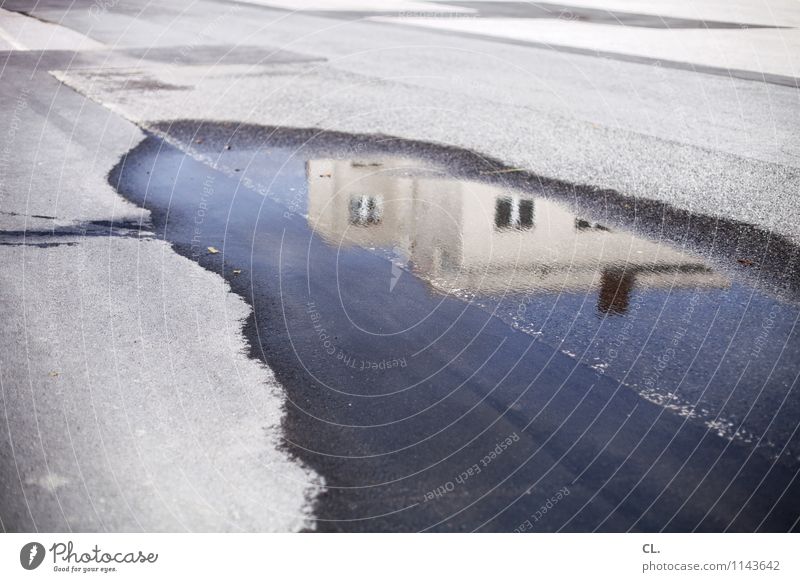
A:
<point x="484" y="239"/>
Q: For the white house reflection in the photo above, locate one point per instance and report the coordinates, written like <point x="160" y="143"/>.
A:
<point x="483" y="239"/>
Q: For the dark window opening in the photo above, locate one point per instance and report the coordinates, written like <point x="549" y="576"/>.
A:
<point x="513" y="213"/>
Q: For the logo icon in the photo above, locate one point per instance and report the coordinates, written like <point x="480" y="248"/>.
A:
<point x="31" y="555"/>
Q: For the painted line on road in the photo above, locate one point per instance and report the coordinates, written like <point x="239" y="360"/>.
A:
<point x="742" y="74"/>
<point x="15" y="45"/>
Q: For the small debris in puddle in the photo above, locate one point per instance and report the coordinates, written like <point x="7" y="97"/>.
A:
<point x="213" y="250"/>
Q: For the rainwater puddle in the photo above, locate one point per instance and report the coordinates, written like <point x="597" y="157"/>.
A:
<point x="653" y="315"/>
<point x="421" y="305"/>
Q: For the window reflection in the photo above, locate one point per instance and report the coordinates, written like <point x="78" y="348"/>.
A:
<point x="513" y="213"/>
<point x="365" y="210"/>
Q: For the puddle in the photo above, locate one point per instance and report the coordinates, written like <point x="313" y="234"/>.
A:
<point x="428" y="289"/>
<point x="629" y="307"/>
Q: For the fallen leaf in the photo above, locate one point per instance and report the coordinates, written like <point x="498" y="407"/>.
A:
<point x="745" y="262"/>
<point x="198" y="140"/>
<point x="53" y="374"/>
<point x="237" y="271"/>
<point x="505" y="171"/>
<point x="213" y="250"/>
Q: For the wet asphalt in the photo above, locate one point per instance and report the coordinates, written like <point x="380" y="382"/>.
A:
<point x="429" y="411"/>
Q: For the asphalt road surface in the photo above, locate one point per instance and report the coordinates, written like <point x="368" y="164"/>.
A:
<point x="452" y="266"/>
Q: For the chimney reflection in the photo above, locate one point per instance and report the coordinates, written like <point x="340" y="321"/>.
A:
<point x="480" y="239"/>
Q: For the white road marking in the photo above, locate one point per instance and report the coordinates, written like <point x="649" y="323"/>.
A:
<point x="771" y="51"/>
<point x="6" y="37"/>
<point x="24" y="33"/>
<point x="761" y="12"/>
<point x="763" y="50"/>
